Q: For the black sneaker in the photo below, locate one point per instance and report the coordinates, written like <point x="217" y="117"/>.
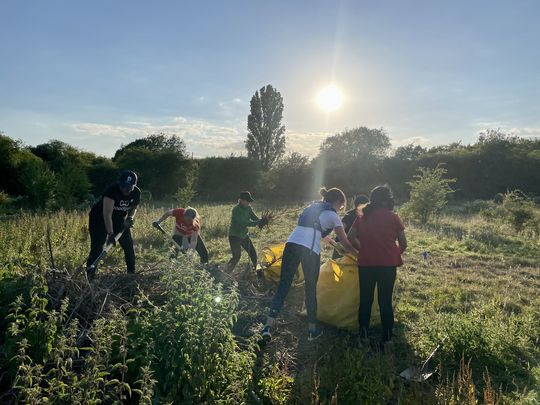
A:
<point x="314" y="334"/>
<point x="266" y="334"/>
<point x="90" y="273"/>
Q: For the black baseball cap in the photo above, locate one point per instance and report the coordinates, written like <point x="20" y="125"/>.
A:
<point x="245" y="195"/>
<point x="127" y="179"/>
<point x="360" y="199"/>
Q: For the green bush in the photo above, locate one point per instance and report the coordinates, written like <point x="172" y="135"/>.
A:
<point x="429" y="194"/>
<point x="518" y="209"/>
<point x="195" y="358"/>
<point x="39" y="182"/>
<point x="185" y="194"/>
<point x="181" y="351"/>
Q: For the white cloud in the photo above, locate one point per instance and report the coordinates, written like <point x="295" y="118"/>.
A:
<point x="306" y="143"/>
<point x="526" y="132"/>
<point x="490" y="124"/>
<point x="202" y="137"/>
<point x="415" y="140"/>
<point x="115" y="131"/>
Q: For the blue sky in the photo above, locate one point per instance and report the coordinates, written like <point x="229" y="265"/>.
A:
<point x="97" y="74"/>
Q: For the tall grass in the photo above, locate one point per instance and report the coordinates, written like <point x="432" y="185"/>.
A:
<point x="169" y="337"/>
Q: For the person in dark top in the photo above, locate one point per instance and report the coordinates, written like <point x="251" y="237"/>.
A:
<point x="379" y="235"/>
<point x="348" y="219"/>
<point x="113" y="213"/>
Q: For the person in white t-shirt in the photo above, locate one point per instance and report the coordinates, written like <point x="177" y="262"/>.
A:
<point x="317" y="221"/>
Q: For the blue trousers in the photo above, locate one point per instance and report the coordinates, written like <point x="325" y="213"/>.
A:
<point x="293" y="255"/>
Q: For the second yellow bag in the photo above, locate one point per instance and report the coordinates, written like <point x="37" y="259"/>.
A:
<point x="270" y="261"/>
<point x="338" y="294"/>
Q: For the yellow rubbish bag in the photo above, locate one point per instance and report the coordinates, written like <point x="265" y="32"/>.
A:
<point x="338" y="294"/>
<point x="270" y="261"/>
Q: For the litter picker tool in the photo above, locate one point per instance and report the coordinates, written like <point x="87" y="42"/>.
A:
<point x="160" y="228"/>
<point x="106" y="248"/>
<point x="422" y="373"/>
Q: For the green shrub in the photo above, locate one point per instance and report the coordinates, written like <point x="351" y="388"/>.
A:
<point x="185" y="194"/>
<point x="276" y="386"/>
<point x="429" y="194"/>
<point x="195" y="358"/>
<point x="518" y="209"/>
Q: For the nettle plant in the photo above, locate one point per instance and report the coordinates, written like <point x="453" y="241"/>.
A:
<point x="182" y="350"/>
<point x="195" y="358"/>
<point x="48" y="363"/>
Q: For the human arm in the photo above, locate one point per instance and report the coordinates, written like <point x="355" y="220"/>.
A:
<point x="166" y="215"/>
<point x="253" y="218"/>
<point x="128" y="222"/>
<point x="340" y="233"/>
<point x="108" y="207"/>
<point x="194" y="239"/>
<point x="352" y="237"/>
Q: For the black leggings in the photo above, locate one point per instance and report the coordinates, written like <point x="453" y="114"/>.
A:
<point x="293" y="255"/>
<point x="98" y="236"/>
<point x="200" y="248"/>
<point x="237" y="244"/>
<point x="384" y="278"/>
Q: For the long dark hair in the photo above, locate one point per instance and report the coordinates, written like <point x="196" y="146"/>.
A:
<point x="333" y="195"/>
<point x="380" y="197"/>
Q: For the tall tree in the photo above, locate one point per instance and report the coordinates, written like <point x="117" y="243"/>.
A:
<point x="266" y="135"/>
<point x="358" y="143"/>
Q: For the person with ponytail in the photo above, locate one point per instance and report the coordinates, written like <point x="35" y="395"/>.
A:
<point x="317" y="221"/>
<point x="375" y="234"/>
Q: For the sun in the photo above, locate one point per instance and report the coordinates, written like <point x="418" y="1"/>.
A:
<point x="329" y="98"/>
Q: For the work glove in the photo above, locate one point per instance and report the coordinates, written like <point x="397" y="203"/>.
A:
<point x="263" y="222"/>
<point x="267" y="217"/>
<point x="110" y="239"/>
<point x="128" y="222"/>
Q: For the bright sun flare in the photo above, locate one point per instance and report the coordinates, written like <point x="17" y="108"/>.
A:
<point x="329" y="98"/>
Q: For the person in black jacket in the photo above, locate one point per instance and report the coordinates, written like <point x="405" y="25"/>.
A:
<point x="360" y="202"/>
<point x="113" y="213"/>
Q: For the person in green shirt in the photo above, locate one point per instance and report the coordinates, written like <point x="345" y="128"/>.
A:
<point x="242" y="218"/>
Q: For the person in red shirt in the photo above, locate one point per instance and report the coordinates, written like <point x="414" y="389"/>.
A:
<point x="187" y="231"/>
<point x="375" y="234"/>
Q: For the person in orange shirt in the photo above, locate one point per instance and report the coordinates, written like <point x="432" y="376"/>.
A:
<point x="187" y="231"/>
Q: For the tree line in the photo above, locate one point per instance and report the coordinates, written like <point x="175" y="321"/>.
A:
<point x="57" y="175"/>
